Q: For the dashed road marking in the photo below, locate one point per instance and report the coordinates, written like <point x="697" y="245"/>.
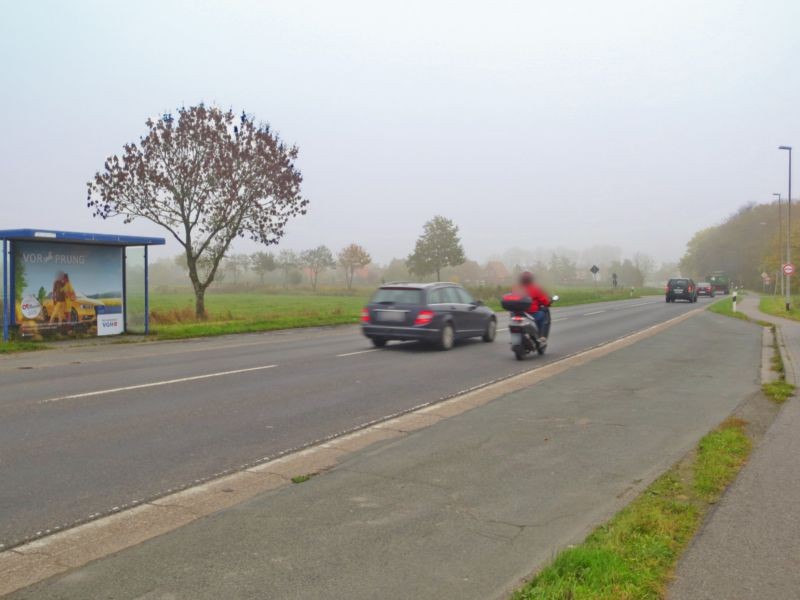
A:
<point x="597" y="312"/>
<point x="155" y="384"/>
<point x="358" y="352"/>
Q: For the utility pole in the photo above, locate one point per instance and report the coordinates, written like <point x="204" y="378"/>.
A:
<point x="780" y="244"/>
<point x="788" y="230"/>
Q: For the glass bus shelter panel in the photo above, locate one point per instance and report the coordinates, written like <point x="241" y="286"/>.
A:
<point x="135" y="289"/>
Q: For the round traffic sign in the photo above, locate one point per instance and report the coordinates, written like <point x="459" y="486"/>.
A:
<point x="788" y="269"/>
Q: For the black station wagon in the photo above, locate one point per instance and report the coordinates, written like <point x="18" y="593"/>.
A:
<point x="436" y="313"/>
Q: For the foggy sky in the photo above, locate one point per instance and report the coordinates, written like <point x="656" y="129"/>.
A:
<point x="531" y="124"/>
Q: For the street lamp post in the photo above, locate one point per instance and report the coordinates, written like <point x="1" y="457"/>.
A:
<point x="780" y="244"/>
<point x="788" y="229"/>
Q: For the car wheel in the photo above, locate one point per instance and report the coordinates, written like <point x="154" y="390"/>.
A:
<point x="379" y="342"/>
<point x="447" y="337"/>
<point x="491" y="331"/>
<point x="667" y="300"/>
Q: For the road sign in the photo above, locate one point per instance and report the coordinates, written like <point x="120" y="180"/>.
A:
<point x="788" y="269"/>
<point x="594" y="269"/>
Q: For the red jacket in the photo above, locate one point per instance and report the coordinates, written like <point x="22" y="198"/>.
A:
<point x="538" y="297"/>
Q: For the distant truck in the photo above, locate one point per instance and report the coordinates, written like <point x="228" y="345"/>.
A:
<point x="719" y="282"/>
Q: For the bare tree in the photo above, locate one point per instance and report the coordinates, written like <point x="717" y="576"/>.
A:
<point x="351" y="258"/>
<point x="316" y="261"/>
<point x="207" y="177"/>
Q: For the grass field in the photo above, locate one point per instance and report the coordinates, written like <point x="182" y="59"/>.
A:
<point x="172" y="314"/>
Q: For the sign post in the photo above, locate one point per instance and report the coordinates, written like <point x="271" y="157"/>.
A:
<point x="595" y="270"/>
<point x="734" y="300"/>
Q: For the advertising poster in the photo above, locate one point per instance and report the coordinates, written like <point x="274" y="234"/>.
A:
<point x="67" y="289"/>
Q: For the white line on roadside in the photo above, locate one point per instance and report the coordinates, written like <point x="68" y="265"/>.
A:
<point x="503" y="329"/>
<point x="355" y="353"/>
<point x="154" y="384"/>
<point x="597" y="312"/>
<point x="559" y="319"/>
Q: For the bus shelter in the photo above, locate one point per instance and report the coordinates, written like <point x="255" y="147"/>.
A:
<point x="61" y="284"/>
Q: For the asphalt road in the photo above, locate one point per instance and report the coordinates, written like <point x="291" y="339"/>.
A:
<point x="86" y="430"/>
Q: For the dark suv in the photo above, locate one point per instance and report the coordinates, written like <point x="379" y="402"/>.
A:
<point x="438" y="313"/>
<point x="681" y="288"/>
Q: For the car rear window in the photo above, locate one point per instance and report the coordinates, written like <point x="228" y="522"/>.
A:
<point x="674" y="282"/>
<point x="397" y="296"/>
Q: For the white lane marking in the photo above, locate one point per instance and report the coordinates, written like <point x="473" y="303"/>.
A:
<point x="559" y="319"/>
<point x="155" y="384"/>
<point x="503" y="329"/>
<point x="597" y="312"/>
<point x="354" y="353"/>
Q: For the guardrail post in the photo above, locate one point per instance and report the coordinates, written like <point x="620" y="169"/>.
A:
<point x="734" y="300"/>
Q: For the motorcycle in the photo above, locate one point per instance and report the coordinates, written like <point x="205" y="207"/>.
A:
<point x="525" y="335"/>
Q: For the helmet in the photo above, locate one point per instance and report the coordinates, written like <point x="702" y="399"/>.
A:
<point x="526" y="278"/>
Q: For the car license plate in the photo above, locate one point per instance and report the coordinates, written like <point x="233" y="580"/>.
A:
<point x="678" y="290"/>
<point x="392" y="316"/>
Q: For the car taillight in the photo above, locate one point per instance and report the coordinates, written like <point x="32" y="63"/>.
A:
<point x="666" y="288"/>
<point x="517" y="319"/>
<point x="424" y="317"/>
<point x="365" y="315"/>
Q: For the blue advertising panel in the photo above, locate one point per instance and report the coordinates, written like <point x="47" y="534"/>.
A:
<point x="67" y="289"/>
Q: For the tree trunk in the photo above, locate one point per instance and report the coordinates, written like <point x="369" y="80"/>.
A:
<point x="199" y="289"/>
<point x="313" y="281"/>
<point x="438" y="277"/>
<point x="200" y="304"/>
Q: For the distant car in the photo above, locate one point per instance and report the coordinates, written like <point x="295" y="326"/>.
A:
<point x="705" y="289"/>
<point x="681" y="288"/>
<point x="436" y="313"/>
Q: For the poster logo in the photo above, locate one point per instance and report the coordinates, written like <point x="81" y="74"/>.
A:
<point x="30" y="307"/>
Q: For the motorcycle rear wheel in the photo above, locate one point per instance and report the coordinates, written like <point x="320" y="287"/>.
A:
<point x="519" y="352"/>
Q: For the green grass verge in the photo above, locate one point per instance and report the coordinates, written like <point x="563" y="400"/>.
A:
<point x="776" y="306"/>
<point x="725" y="307"/>
<point x="633" y="555"/>
<point x="11" y="347"/>
<point x="778" y="391"/>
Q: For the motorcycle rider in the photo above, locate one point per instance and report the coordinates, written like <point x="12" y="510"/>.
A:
<point x="539" y="301"/>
